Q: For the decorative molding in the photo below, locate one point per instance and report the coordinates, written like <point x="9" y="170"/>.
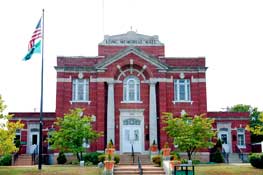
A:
<point x="80" y="75"/>
<point x="181" y="75"/>
<point x="131" y="110"/>
<point x="88" y="102"/>
<point x="34" y="119"/>
<point x="64" y="80"/>
<point x="101" y="79"/>
<point x="198" y="80"/>
<point x="231" y="118"/>
<point x="155" y="80"/>
<point x="128" y="70"/>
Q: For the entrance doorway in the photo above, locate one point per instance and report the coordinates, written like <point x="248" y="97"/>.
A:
<point x="131" y="135"/>
<point x="223" y="135"/>
<point x="33" y="140"/>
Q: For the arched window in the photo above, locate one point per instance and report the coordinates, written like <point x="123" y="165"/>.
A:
<point x="131" y="89"/>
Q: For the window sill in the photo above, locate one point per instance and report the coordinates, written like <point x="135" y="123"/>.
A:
<point x="131" y="101"/>
<point x="71" y="102"/>
<point x="174" y="102"/>
<point x="242" y="146"/>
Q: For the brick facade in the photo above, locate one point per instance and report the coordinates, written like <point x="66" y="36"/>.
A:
<point x="144" y="58"/>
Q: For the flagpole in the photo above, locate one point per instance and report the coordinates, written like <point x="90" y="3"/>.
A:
<point x="41" y="99"/>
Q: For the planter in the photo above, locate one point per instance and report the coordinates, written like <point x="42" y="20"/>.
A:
<point x="174" y="163"/>
<point x="154" y="148"/>
<point x="110" y="151"/>
<point x="108" y="165"/>
<point x="166" y="152"/>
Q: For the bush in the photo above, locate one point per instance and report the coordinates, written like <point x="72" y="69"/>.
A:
<point x="6" y="160"/>
<point x="157" y="159"/>
<point x="184" y="161"/>
<point x="216" y="157"/>
<point x="196" y="161"/>
<point x="256" y="160"/>
<point x="101" y="158"/>
<point x="175" y="155"/>
<point x="116" y="158"/>
<point x="92" y="157"/>
<point x="74" y="162"/>
<point x="61" y="158"/>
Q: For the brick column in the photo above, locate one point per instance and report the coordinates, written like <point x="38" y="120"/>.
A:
<point x="110" y="113"/>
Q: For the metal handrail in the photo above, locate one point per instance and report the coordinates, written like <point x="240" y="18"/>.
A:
<point x="140" y="166"/>
<point x="35" y="152"/>
<point x="16" y="154"/>
<point x="15" y="157"/>
<point x="132" y="153"/>
<point x="240" y="153"/>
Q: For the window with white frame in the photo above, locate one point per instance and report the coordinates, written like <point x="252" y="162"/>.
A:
<point x="17" y="139"/>
<point x="131" y="89"/>
<point x="182" y="90"/>
<point x="241" y="137"/>
<point x="80" y="90"/>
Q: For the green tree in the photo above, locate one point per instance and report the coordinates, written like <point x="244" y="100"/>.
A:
<point x="73" y="130"/>
<point x="189" y="133"/>
<point x="240" y="108"/>
<point x="257" y="129"/>
<point x="255" y="122"/>
<point x="7" y="131"/>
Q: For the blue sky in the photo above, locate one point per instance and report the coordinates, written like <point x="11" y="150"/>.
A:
<point x="229" y="33"/>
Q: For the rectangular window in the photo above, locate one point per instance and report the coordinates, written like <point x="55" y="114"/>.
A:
<point x="241" y="137"/>
<point x="80" y="90"/>
<point x="182" y="90"/>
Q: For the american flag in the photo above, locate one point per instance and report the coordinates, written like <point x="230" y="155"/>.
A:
<point x="35" y="36"/>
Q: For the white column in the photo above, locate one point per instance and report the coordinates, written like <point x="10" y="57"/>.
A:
<point x="153" y="113"/>
<point x="110" y="113"/>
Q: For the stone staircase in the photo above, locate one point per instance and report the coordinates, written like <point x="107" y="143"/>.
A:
<point x="23" y="160"/>
<point x="127" y="167"/>
<point x="234" y="158"/>
<point x="127" y="159"/>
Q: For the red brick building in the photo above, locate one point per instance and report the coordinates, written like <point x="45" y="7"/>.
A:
<point x="128" y="86"/>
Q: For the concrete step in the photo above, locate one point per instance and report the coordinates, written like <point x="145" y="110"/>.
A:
<point x="234" y="158"/>
<point x="127" y="159"/>
<point x="23" y="160"/>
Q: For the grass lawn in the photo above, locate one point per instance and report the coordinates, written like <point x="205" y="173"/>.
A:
<point x="50" y="170"/>
<point x="216" y="169"/>
<point x="224" y="169"/>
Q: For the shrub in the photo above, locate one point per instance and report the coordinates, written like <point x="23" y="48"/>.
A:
<point x="6" y="160"/>
<point x="175" y="155"/>
<point x="74" y="162"/>
<point x="216" y="157"/>
<point x="101" y="158"/>
<point x="196" y="161"/>
<point x="61" y="158"/>
<point x="116" y="158"/>
<point x="157" y="159"/>
<point x="184" y="161"/>
<point x="92" y="157"/>
<point x="256" y="160"/>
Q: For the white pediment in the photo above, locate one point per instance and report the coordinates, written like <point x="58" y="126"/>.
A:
<point x="136" y="51"/>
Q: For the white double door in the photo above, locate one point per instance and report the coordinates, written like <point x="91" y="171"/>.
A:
<point x="131" y="137"/>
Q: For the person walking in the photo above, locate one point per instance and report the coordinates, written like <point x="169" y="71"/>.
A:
<point x="226" y="151"/>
